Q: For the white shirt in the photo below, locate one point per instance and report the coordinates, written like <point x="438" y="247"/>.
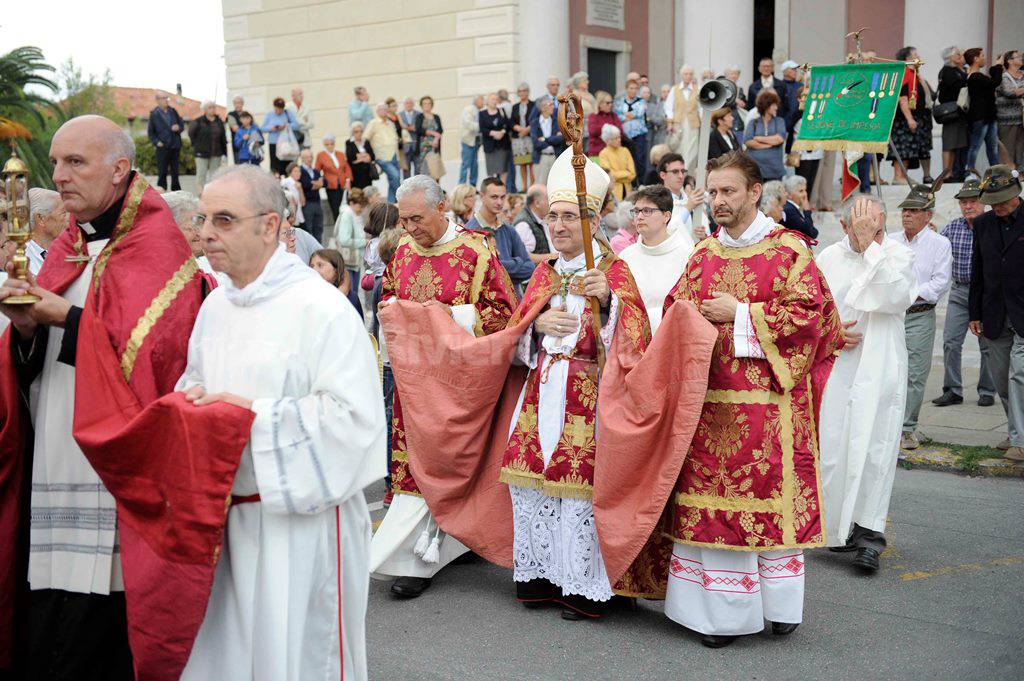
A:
<point x="545" y="128"/>
<point x="36" y="254"/>
<point x="933" y="262"/>
<point x="767" y="82"/>
<point x="744" y="336"/>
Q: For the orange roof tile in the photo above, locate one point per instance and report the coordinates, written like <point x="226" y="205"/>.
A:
<point x="137" y="102"/>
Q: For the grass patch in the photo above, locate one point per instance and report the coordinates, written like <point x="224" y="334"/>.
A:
<point x="969" y="456"/>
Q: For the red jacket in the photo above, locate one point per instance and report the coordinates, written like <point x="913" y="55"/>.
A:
<point x="594" y="124"/>
<point x="335" y="175"/>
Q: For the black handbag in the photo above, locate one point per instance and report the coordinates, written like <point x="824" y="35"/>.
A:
<point x="374" y="172"/>
<point x="947" y="112"/>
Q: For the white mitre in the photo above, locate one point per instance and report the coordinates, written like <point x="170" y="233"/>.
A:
<point x="562" y="182"/>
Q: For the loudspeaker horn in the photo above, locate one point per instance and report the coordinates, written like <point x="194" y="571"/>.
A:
<point x="717" y="93"/>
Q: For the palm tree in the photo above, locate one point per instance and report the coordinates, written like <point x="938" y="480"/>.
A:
<point x="26" y="115"/>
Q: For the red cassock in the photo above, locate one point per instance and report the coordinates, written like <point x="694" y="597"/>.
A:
<point x="751" y="479"/>
<point x="169" y="465"/>
<point x="463" y="271"/>
<point x="462" y="392"/>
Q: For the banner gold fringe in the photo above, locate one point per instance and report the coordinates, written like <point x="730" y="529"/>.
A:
<point x="841" y="145"/>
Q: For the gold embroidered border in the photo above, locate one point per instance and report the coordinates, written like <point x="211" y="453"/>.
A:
<point x="742" y="396"/>
<point x="152" y="315"/>
<point x="409" y="494"/>
<point x="771" y="352"/>
<point x="813" y="544"/>
<point x="124" y="225"/>
<point x="736" y="504"/>
<point x="816" y="451"/>
<point x="483" y="258"/>
<point x="841" y="145"/>
<point x="521" y="478"/>
<point x="460" y="240"/>
<point x="788" y="469"/>
<point x="651" y="595"/>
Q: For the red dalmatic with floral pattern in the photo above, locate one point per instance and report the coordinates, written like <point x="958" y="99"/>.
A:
<point x="463" y="271"/>
<point x="570" y="472"/>
<point x="751" y="478"/>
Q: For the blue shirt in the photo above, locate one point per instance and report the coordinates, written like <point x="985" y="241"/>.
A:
<point x="512" y="251"/>
<point x="638" y="107"/>
<point x="358" y="110"/>
<point x="273" y="118"/>
<point x="961" y="238"/>
<point x="770" y="161"/>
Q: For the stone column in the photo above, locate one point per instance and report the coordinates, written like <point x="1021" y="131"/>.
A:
<point x="715" y="35"/>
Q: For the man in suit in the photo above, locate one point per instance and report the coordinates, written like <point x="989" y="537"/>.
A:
<point x="312" y="181"/>
<point x="996" y="298"/>
<point x="165" y="126"/>
<point x="766" y="69"/>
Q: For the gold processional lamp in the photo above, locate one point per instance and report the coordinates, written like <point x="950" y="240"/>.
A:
<point x="19" y="229"/>
<point x="713" y="95"/>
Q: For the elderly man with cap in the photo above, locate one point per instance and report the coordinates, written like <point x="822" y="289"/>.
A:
<point x="48" y="219"/>
<point x="997" y="295"/>
<point x="933" y="263"/>
<point x="960" y="233"/>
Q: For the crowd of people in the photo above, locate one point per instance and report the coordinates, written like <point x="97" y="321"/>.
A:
<point x="216" y="404"/>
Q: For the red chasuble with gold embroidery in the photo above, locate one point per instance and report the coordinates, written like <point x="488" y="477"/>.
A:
<point x="751" y="478"/>
<point x="463" y="271"/>
<point x="168" y="464"/>
<point x="570" y="472"/>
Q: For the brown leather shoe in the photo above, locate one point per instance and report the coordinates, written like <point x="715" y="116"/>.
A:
<point x="1004" y="445"/>
<point x="1014" y="454"/>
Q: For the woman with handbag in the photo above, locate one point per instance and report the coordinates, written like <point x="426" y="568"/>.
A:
<point x="1010" y="108"/>
<point x="981" y="114"/>
<point x="494" y="129"/>
<point x="428" y="140"/>
<point x="948" y="113"/>
<point x="912" y="127"/>
<point x="522" y="144"/>
<point x="275" y="123"/>
<point x="360" y="158"/>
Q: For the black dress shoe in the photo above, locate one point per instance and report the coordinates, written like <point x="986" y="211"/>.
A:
<point x="845" y="548"/>
<point x="784" y="628"/>
<point x="710" y="641"/>
<point x="535" y="593"/>
<point x="986" y="400"/>
<point x="948" y="398"/>
<point x="866" y="560"/>
<point x="577" y="608"/>
<point x="410" y="587"/>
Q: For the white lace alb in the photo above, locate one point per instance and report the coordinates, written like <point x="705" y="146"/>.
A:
<point x="556" y="540"/>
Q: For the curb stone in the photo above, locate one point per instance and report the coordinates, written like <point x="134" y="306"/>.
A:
<point x="942" y="459"/>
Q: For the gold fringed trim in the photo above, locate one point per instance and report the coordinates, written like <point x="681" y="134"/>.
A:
<point x="735" y="504"/>
<point x="771" y="353"/>
<point x="742" y="396"/>
<point x="568" y="490"/>
<point x="124" y="225"/>
<point x="409" y="494"/>
<point x="152" y="315"/>
<point x="651" y="595"/>
<point x="521" y="479"/>
<point x="814" y="544"/>
<point x="841" y="145"/>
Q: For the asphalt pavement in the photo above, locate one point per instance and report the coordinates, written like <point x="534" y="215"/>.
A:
<point x="947" y="604"/>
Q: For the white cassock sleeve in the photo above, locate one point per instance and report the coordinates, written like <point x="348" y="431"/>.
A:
<point x="743" y="335"/>
<point x="193" y="375"/>
<point x="886" y="283"/>
<point x="315" y="451"/>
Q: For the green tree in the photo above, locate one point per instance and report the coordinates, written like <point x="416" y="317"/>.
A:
<point x="90" y="94"/>
<point x="26" y="115"/>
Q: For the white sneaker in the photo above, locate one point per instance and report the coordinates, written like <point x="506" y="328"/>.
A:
<point x="909" y="441"/>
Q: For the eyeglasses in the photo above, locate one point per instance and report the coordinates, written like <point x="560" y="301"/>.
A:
<point x="676" y="171"/>
<point x="288" y="233"/>
<point x="221" y="220"/>
<point x="568" y="219"/>
<point x="646" y="212"/>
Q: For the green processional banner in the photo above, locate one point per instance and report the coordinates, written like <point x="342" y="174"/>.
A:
<point x="850" y="107"/>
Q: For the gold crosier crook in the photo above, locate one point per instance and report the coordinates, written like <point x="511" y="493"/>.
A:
<point x="571" y="125"/>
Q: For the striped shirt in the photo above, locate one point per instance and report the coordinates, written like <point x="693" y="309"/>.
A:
<point x="961" y="238"/>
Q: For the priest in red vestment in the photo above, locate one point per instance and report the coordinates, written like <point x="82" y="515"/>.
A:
<point x="436" y="263"/>
<point x="588" y="458"/>
<point x="109" y="575"/>
<point x="748" y="500"/>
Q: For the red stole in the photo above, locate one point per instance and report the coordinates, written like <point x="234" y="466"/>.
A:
<point x="460" y="395"/>
<point x="169" y="465"/>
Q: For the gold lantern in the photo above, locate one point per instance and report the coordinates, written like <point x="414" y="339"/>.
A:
<point x="19" y="229"/>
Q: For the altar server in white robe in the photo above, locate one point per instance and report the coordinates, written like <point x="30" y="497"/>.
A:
<point x="662" y="249"/>
<point x="872" y="280"/>
<point x="289" y="596"/>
